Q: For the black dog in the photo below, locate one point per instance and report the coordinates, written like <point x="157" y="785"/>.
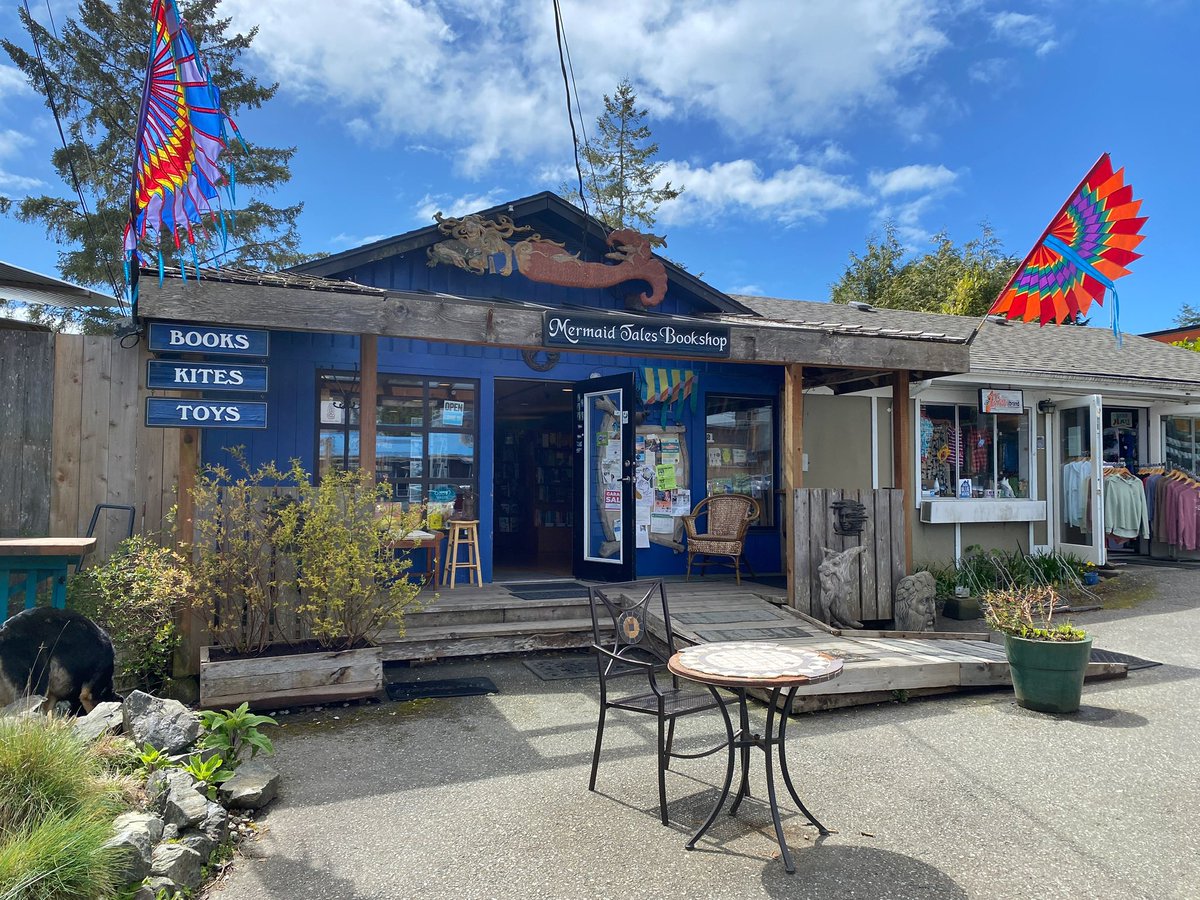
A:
<point x="59" y="654"/>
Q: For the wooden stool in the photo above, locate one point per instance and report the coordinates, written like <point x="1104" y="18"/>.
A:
<point x="464" y="533"/>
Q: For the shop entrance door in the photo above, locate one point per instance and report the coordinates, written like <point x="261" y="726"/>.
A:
<point x="1078" y="463"/>
<point x="604" y="532"/>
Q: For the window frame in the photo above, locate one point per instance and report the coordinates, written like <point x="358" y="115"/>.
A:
<point x="773" y="403"/>
<point x="972" y="403"/>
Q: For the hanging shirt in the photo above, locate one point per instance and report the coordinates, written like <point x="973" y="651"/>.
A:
<point x="1125" y="513"/>
<point x="1150" y="485"/>
<point x="979" y="441"/>
<point x="1186" y="501"/>
<point x="1075" y="496"/>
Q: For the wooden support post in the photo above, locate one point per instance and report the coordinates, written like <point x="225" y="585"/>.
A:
<point x="193" y="628"/>
<point x="793" y="468"/>
<point x="902" y="458"/>
<point x="368" y="389"/>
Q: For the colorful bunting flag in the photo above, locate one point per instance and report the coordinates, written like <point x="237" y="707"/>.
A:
<point x="1081" y="253"/>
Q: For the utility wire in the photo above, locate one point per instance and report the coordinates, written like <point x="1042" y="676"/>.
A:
<point x="601" y="209"/>
<point x="87" y="214"/>
<point x="559" y="34"/>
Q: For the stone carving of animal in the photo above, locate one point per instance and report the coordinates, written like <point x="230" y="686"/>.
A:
<point x="914" y="608"/>
<point x="59" y="654"/>
<point x="833" y="602"/>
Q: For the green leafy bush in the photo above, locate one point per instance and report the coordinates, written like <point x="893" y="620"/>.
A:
<point x="233" y="732"/>
<point x="135" y="596"/>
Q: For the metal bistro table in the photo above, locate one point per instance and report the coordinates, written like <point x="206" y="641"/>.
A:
<point x="38" y="559"/>
<point x="740" y="666"/>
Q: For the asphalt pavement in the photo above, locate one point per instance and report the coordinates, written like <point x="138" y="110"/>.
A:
<point x="959" y="796"/>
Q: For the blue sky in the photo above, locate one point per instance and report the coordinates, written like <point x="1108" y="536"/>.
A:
<point x="796" y="126"/>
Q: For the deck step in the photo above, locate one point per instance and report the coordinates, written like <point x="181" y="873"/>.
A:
<point x="479" y="639"/>
<point x="447" y="612"/>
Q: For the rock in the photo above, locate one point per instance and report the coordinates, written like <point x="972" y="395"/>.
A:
<point x="253" y="786"/>
<point x="145" y="892"/>
<point x="184" y="805"/>
<point x="105" y="718"/>
<point x="170" y="832"/>
<point x="148" y="822"/>
<point x="178" y="863"/>
<point x="167" y="725"/>
<point x="136" y="834"/>
<point x="200" y="842"/>
<point x="25" y="706"/>
<point x="160" y="884"/>
<point x="216" y="823"/>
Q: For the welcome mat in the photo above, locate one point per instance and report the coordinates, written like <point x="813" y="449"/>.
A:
<point x="562" y="668"/>
<point x="446" y="687"/>
<point x="1133" y="662"/>
<point x="549" y="590"/>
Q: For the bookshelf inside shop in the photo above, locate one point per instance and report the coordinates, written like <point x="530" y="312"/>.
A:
<point x="533" y="490"/>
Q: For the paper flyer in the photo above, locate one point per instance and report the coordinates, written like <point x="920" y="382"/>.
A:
<point x="662" y="525"/>
<point x="683" y="503"/>
<point x="641" y="514"/>
<point x="739" y="456"/>
<point x="642" y="537"/>
<point x="714" y="456"/>
<point x="665" y="477"/>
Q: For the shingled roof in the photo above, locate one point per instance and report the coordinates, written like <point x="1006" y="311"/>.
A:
<point x="1056" y="353"/>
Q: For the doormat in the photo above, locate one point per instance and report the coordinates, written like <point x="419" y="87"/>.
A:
<point x="445" y="687"/>
<point x="548" y="590"/>
<point x="752" y="634"/>
<point x="559" y="669"/>
<point x="1133" y="662"/>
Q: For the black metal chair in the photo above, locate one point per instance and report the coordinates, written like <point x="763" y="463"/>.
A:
<point x="631" y="652"/>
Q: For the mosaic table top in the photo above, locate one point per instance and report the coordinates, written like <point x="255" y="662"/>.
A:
<point x="754" y="661"/>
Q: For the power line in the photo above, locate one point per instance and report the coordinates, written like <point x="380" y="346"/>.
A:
<point x="559" y="34"/>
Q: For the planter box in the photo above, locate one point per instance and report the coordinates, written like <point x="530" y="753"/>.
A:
<point x="962" y="608"/>
<point x="1047" y="676"/>
<point x="270" y="682"/>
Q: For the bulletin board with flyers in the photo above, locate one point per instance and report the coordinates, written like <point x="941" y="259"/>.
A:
<point x="662" y="485"/>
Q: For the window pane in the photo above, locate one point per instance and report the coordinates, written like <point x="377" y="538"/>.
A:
<point x="451" y="455"/>
<point x="1012" y="456"/>
<point x="452" y="405"/>
<point x="740" y="445"/>
<point x="1181" y="434"/>
<point x="401" y="400"/>
<point x="400" y="455"/>
<point x="939" y="451"/>
<point x="969" y="454"/>
<point x="337" y="414"/>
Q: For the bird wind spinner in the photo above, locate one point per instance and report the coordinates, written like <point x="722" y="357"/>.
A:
<point x="180" y="135"/>
<point x="1083" y="251"/>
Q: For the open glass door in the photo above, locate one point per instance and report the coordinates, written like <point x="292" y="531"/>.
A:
<point x="1079" y="464"/>
<point x="604" y="532"/>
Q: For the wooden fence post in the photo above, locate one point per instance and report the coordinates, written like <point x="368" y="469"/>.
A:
<point x="902" y="458"/>
<point x="793" y="470"/>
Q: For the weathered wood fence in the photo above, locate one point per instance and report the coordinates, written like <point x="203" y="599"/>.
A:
<point x="880" y="566"/>
<point x="72" y="437"/>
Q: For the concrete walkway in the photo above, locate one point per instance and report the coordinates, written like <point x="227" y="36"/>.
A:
<point x="966" y="796"/>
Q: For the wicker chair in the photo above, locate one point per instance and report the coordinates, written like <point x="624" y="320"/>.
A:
<point x="729" y="515"/>
<point x="625" y="649"/>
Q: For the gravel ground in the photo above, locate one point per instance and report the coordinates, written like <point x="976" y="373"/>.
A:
<point x="961" y="796"/>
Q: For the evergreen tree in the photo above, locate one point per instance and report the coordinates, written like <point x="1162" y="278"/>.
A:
<point x="1188" y="317"/>
<point x="94" y="69"/>
<point x="619" y="168"/>
<point x="961" y="281"/>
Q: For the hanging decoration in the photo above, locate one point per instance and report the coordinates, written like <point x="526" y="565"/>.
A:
<point x="1080" y="255"/>
<point x="181" y="132"/>
<point x="668" y="387"/>
<point x="473" y="243"/>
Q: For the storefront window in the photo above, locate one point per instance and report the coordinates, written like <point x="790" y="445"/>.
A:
<point x="968" y="454"/>
<point x="740" y="443"/>
<point x="1181" y="442"/>
<point x="425" y="445"/>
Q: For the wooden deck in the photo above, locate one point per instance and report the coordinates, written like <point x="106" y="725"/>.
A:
<point x="879" y="665"/>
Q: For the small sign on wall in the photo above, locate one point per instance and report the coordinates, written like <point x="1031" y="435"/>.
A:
<point x="175" y="376"/>
<point x="218" y="341"/>
<point x="173" y="412"/>
<point x="452" y="412"/>
<point x="992" y="400"/>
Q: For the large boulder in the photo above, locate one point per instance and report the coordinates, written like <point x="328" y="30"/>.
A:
<point x="216" y="823"/>
<point x="105" y="718"/>
<point x="200" y="842"/>
<point x="178" y="863"/>
<point x="182" y="802"/>
<point x="30" y="705"/>
<point x="167" y="725"/>
<point x="253" y="786"/>
<point x="136" y="835"/>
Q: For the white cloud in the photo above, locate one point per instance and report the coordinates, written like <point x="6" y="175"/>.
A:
<point x="1025" y="30"/>
<point x="748" y="290"/>
<point x="995" y="71"/>
<point x="912" y="179"/>
<point x="456" y="206"/>
<point x="352" y="240"/>
<point x="12" y="144"/>
<point x="12" y="82"/>
<point x="483" y="77"/>
<point x="740" y="186"/>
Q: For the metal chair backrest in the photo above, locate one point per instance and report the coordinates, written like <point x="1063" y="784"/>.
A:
<point x="627" y="605"/>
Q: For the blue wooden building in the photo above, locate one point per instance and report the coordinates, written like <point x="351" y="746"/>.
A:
<point x="576" y="423"/>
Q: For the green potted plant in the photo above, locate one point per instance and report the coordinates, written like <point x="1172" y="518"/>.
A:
<point x="1047" y="660"/>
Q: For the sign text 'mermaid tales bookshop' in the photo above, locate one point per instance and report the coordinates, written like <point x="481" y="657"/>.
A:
<point x="658" y="336"/>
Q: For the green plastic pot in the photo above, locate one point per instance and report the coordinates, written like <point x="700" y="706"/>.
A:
<point x="1048" y="675"/>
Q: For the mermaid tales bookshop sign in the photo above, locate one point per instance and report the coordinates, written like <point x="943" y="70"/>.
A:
<point x="668" y="338"/>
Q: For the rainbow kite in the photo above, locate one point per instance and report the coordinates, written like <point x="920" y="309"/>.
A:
<point x="180" y="134"/>
<point x="1083" y="251"/>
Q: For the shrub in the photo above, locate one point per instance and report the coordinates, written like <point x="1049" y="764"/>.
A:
<point x="135" y="596"/>
<point x="233" y="732"/>
<point x="352" y="583"/>
<point x="1027" y="612"/>
<point x="57" y="803"/>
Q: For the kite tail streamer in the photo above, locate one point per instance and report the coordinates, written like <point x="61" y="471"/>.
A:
<point x="1067" y="252"/>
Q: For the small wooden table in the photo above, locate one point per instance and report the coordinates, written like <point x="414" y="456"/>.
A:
<point x="431" y="543"/>
<point x="740" y="666"/>
<point x="39" y="559"/>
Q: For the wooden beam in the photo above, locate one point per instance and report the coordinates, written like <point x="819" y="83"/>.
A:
<point x="193" y="628"/>
<point x="902" y="458"/>
<point x="368" y="387"/>
<point x="793" y="468"/>
<point x="471" y="321"/>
